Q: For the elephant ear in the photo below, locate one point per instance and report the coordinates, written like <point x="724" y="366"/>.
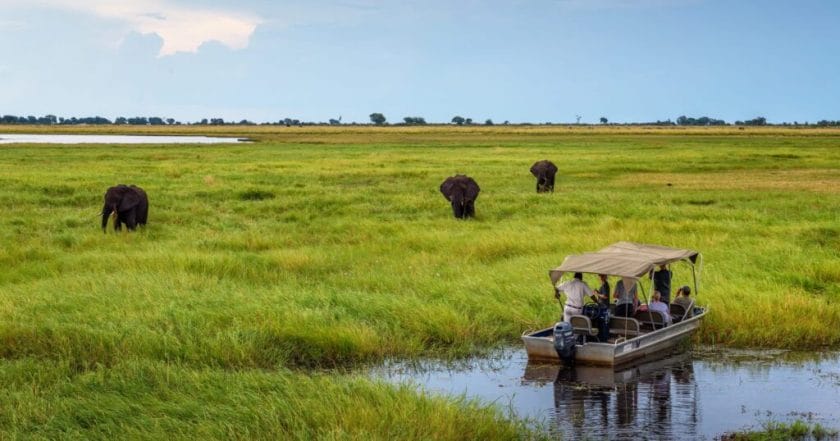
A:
<point x="130" y="200"/>
<point x="446" y="187"/>
<point x="472" y="188"/>
<point x="550" y="167"/>
<point x="535" y="169"/>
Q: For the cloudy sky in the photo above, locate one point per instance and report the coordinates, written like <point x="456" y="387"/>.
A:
<point x="517" y="60"/>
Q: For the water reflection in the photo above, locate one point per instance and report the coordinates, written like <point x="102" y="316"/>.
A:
<point x="696" y="395"/>
<point x="656" y="400"/>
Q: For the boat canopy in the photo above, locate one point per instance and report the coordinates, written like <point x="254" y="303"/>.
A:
<point x="624" y="259"/>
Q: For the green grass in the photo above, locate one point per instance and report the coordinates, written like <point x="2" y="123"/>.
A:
<point x="775" y="431"/>
<point x="326" y="248"/>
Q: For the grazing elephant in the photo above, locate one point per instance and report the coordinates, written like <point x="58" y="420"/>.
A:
<point x="461" y="191"/>
<point x="129" y="205"/>
<point x="544" y="171"/>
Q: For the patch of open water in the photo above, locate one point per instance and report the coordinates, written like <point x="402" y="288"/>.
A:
<point x="22" y="138"/>
<point x="693" y="396"/>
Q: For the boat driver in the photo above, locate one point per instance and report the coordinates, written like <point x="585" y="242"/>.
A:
<point x="576" y="291"/>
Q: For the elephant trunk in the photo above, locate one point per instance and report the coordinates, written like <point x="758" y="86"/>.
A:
<point x="106" y="212"/>
<point x="458" y="208"/>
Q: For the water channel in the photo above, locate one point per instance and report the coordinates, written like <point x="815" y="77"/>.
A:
<point x="22" y="138"/>
<point x="697" y="395"/>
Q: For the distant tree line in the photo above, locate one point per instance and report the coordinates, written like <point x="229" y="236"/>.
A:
<point x="702" y="121"/>
<point x="375" y="118"/>
<point x="827" y="123"/>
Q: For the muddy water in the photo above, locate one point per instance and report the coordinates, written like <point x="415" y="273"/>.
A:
<point x="697" y="395"/>
<point x="111" y="139"/>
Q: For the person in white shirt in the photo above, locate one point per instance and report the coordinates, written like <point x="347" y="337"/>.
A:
<point x="656" y="304"/>
<point x="576" y="292"/>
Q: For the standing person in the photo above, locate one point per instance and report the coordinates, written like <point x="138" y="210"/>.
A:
<point x="662" y="283"/>
<point x="626" y="300"/>
<point x="603" y="292"/>
<point x="576" y="291"/>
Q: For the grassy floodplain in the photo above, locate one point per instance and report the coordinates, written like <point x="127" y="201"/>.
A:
<point x="323" y="247"/>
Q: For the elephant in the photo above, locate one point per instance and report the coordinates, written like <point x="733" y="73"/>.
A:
<point x="461" y="191"/>
<point x="129" y="205"/>
<point x="544" y="171"/>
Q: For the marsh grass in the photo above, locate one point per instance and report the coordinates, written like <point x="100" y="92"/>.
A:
<point x="777" y="431"/>
<point x="318" y="249"/>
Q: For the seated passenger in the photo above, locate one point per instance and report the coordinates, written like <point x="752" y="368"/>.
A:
<point x="626" y="300"/>
<point x="656" y="304"/>
<point x="683" y="299"/>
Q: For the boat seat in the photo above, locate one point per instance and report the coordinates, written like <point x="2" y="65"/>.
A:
<point x="624" y="326"/>
<point x="653" y="319"/>
<point x="677" y="312"/>
<point x="582" y="326"/>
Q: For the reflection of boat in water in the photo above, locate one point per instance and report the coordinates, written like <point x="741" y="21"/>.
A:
<point x="654" y="400"/>
<point x="599" y="376"/>
<point x="625" y="339"/>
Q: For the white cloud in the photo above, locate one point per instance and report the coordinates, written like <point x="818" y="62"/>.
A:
<point x="11" y="25"/>
<point x="182" y="29"/>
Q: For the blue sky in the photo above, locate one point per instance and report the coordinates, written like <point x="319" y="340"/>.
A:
<point x="525" y="60"/>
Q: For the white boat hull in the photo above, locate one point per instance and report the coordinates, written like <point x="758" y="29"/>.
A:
<point x="650" y="345"/>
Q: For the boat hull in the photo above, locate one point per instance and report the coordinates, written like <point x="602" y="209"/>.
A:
<point x="648" y="346"/>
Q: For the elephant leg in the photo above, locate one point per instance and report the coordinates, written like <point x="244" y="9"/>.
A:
<point x="469" y="210"/>
<point x="131" y="220"/>
<point x="457" y="210"/>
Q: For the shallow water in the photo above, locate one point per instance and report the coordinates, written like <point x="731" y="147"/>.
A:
<point x="697" y="395"/>
<point x="19" y="138"/>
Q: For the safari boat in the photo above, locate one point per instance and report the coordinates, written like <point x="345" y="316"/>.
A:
<point x="647" y="335"/>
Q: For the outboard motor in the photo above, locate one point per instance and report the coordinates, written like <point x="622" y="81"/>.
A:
<point x="564" y="342"/>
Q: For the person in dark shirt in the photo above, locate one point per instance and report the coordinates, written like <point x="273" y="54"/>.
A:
<point x="662" y="283"/>
<point x="603" y="292"/>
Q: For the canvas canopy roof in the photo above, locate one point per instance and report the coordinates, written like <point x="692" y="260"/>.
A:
<point x="624" y="259"/>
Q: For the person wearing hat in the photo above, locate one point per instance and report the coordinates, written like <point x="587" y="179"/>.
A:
<point x="683" y="298"/>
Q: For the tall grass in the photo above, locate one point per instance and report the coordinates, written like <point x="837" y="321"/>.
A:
<point x="153" y="400"/>
<point x="325" y="248"/>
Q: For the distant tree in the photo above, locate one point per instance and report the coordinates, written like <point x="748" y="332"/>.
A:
<point x="170" y="121"/>
<point x="334" y="122"/>
<point x="702" y="121"/>
<point x="414" y="120"/>
<point x="458" y="120"/>
<point x="488" y="122"/>
<point x="604" y="120"/>
<point x="468" y="121"/>
<point x="757" y="121"/>
<point x="155" y="121"/>
<point x="377" y="118"/>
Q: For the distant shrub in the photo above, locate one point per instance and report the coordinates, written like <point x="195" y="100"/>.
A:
<point x="255" y="195"/>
